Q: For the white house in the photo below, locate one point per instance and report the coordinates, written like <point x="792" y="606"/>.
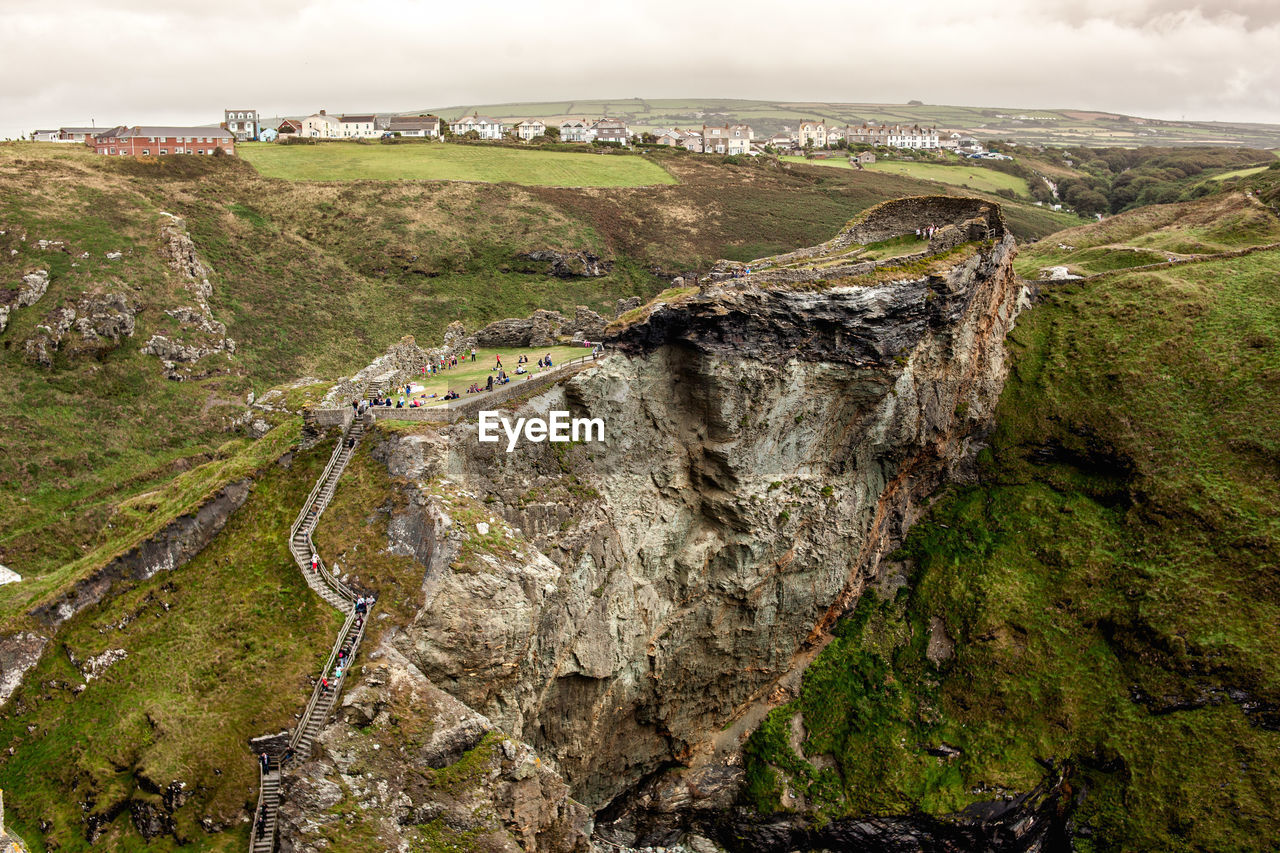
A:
<point x="576" y="130"/>
<point x="727" y="139"/>
<point x="488" y="128"/>
<point x="915" y="136"/>
<point x="530" y="128"/>
<point x="424" y="126"/>
<point x="812" y="131"/>
<point x="321" y="125"/>
<point x="363" y="126"/>
<point x="45" y="135"/>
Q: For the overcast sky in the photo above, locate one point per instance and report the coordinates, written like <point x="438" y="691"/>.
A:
<point x="64" y="62"/>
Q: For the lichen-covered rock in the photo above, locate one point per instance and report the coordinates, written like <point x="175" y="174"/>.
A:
<point x="40" y="347"/>
<point x="586" y="325"/>
<point x="104" y="317"/>
<point x="584" y="264"/>
<point x="764" y="449"/>
<point x="34" y="286"/>
<point x="18" y="653"/>
<point x="414" y="763"/>
<point x="624" y="305"/>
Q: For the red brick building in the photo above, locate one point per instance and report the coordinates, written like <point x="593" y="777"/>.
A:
<point x="162" y="141"/>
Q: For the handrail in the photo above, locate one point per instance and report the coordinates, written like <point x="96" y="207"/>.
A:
<point x="316" y="691"/>
<point x="315" y="490"/>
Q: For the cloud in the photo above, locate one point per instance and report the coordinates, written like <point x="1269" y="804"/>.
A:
<point x="65" y="61"/>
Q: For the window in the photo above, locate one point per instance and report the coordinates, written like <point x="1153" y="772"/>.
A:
<point x="146" y="152"/>
<point x="164" y="151"/>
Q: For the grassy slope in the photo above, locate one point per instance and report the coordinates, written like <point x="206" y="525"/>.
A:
<point x="311" y="279"/>
<point x="346" y="161"/>
<point x="1109" y="580"/>
<point x="219" y="651"/>
<point x="1219" y="223"/>
<point x="962" y="175"/>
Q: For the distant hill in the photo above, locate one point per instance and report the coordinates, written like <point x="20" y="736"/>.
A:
<point x="1043" y="126"/>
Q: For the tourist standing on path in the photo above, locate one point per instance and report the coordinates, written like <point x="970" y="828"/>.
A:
<point x="473" y="353"/>
<point x="265" y="762"/>
<point x="315" y="562"/>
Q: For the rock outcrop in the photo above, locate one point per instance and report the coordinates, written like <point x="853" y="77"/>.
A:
<point x="765" y="448"/>
<point x="18" y="653"/>
<point x="580" y="264"/>
<point x="457" y="775"/>
<point x="199" y="335"/>
<point x="543" y="329"/>
<point x="170" y="548"/>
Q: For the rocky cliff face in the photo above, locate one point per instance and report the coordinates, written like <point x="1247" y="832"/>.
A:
<point x="615" y="604"/>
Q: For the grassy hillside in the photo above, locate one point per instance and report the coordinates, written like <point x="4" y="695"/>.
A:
<point x="1044" y="126"/>
<point x="312" y="280"/>
<point x="347" y="161"/>
<point x="962" y="175"/>
<point x="1156" y="234"/>
<point x="1109" y="584"/>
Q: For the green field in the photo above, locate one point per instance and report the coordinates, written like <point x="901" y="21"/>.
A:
<point x="1239" y="173"/>
<point x="963" y="175"/>
<point x="461" y="377"/>
<point x="350" y="161"/>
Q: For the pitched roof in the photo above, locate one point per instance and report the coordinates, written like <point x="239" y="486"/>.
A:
<point x="358" y="119"/>
<point x="413" y="122"/>
<point x="89" y="130"/>
<point x="123" y="132"/>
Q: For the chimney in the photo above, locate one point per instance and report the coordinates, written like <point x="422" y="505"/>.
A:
<point x="322" y="112"/>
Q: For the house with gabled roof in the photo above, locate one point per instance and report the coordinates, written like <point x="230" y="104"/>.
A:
<point x="576" y="130"/>
<point x="420" y="126"/>
<point x="150" y="141"/>
<point x="726" y="139"/>
<point x="321" y="125"/>
<point x="814" y="132"/>
<point x="610" y="130"/>
<point x="529" y="128"/>
<point x="488" y="128"/>
<point x="359" y="126"/>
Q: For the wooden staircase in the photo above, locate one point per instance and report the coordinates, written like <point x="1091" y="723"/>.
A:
<point x="329" y="587"/>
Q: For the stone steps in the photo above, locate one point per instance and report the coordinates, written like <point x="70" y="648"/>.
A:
<point x="301" y="546"/>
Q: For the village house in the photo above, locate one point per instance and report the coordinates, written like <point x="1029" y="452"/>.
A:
<point x="690" y="140"/>
<point x="894" y="136"/>
<point x="44" y="135"/>
<point x="78" y="134"/>
<point x="141" y="141"/>
<point x="488" y="128"/>
<point x="780" y="142"/>
<point x="611" y="130"/>
<point x="421" y="126"/>
<point x="729" y="139"/>
<point x="361" y="126"/>
<point x="864" y="158"/>
<point x="812" y="132"/>
<point x="321" y="125"/>
<point x="835" y="135"/>
<point x="243" y="124"/>
<point x="530" y="128"/>
<point x="576" y="130"/>
<point x="289" y="126"/>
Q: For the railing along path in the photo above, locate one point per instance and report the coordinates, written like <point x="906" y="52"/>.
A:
<point x="264" y="831"/>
